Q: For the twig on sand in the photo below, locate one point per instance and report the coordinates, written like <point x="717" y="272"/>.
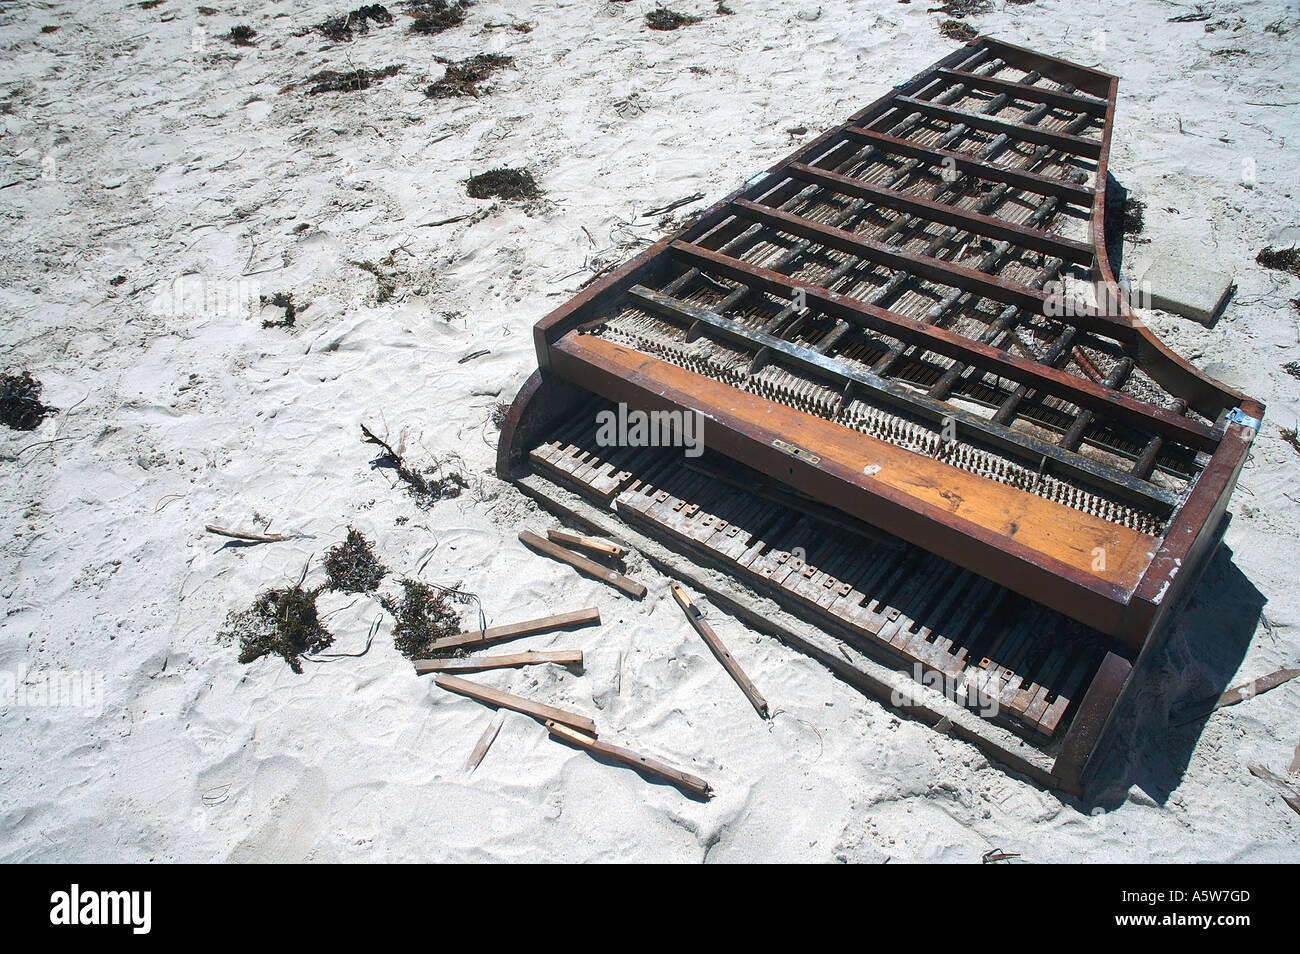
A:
<point x="426" y="490"/>
<point x="997" y="854"/>
<point x="249" y="535"/>
<point x="15" y="456"/>
<point x="454" y="218"/>
<point x="686" y="200"/>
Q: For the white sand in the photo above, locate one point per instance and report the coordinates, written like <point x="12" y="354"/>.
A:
<point x="161" y="163"/>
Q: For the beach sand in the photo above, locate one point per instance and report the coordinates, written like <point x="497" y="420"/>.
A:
<point x="139" y="154"/>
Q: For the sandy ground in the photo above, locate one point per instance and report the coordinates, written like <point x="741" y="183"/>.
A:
<point x="139" y="153"/>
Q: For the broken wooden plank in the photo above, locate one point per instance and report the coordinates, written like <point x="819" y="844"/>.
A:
<point x="1235" y="695"/>
<point x="684" y="780"/>
<point x="580" y="563"/>
<point x="562" y="657"/>
<point x="1279" y="784"/>
<point x="496" y="634"/>
<point x="508" y="700"/>
<point x="566" y="539"/>
<point x="249" y="536"/>
<point x="715" y="644"/>
<point x="484" y="743"/>
<point x="1294" y="767"/>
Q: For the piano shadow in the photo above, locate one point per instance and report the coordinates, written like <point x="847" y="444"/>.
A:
<point x="1195" y="659"/>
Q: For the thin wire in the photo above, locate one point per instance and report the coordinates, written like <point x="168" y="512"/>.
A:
<point x="333" y="657"/>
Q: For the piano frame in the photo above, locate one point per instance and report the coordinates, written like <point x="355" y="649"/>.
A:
<point x="1037" y="547"/>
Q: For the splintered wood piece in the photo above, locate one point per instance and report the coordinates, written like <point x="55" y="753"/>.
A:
<point x="1279" y="785"/>
<point x="1256" y="687"/>
<point x="564" y="538"/>
<point x="484" y="743"/>
<point x="1294" y="767"/>
<point x="248" y="535"/>
<point x="683" y="780"/>
<point x="1235" y="695"/>
<point x="508" y="700"/>
<point x="580" y="563"/>
<point x="728" y="661"/>
<point x="562" y="657"/>
<point x="496" y="634"/>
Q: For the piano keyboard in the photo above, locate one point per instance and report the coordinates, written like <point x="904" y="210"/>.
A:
<point x="908" y="606"/>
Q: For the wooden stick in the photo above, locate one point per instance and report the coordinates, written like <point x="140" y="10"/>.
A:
<point x="497" y="634"/>
<point x="1256" y="687"/>
<point x="580" y="563"/>
<point x="484" y="743"/>
<point x="683" y="780"/>
<point x="507" y="700"/>
<point x="248" y="535"/>
<point x="1235" y="695"/>
<point x="1289" y="794"/>
<point x="563" y="657"/>
<point x="564" y="538"/>
<point x="728" y="661"/>
<point x="1294" y="767"/>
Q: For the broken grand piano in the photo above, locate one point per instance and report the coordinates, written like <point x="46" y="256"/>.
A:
<point x="935" y="430"/>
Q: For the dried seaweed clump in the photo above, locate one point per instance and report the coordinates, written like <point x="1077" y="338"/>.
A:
<point x="282" y="621"/>
<point x="241" y="35"/>
<point x="504" y="184"/>
<point x="20" y="402"/>
<point x="964" y="8"/>
<point x="339" y="29"/>
<point x="434" y="16"/>
<point x="281" y="300"/>
<point x="386" y="284"/>
<point x="424" y="614"/>
<point x="352" y="567"/>
<point x="332" y="81"/>
<point x="463" y="78"/>
<point x="661" y="18"/>
<point x="1285" y="259"/>
<point x="438" y="482"/>
<point x="1133" y="216"/>
<point x="956" y="30"/>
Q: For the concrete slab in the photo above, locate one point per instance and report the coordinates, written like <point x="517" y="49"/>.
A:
<point x="1174" y="285"/>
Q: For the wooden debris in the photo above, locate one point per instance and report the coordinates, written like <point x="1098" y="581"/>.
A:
<point x="671" y="206"/>
<point x="248" y="535"/>
<point x="590" y="544"/>
<point x="507" y="700"/>
<point x="562" y="657"/>
<point x="1238" y="694"/>
<point x="997" y="854"/>
<point x="685" y="781"/>
<point x="728" y="661"/>
<point x="1294" y="767"/>
<point x="484" y="743"/>
<point x="580" y="563"/>
<point x="496" y="634"/>
<point x="1279" y="784"/>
